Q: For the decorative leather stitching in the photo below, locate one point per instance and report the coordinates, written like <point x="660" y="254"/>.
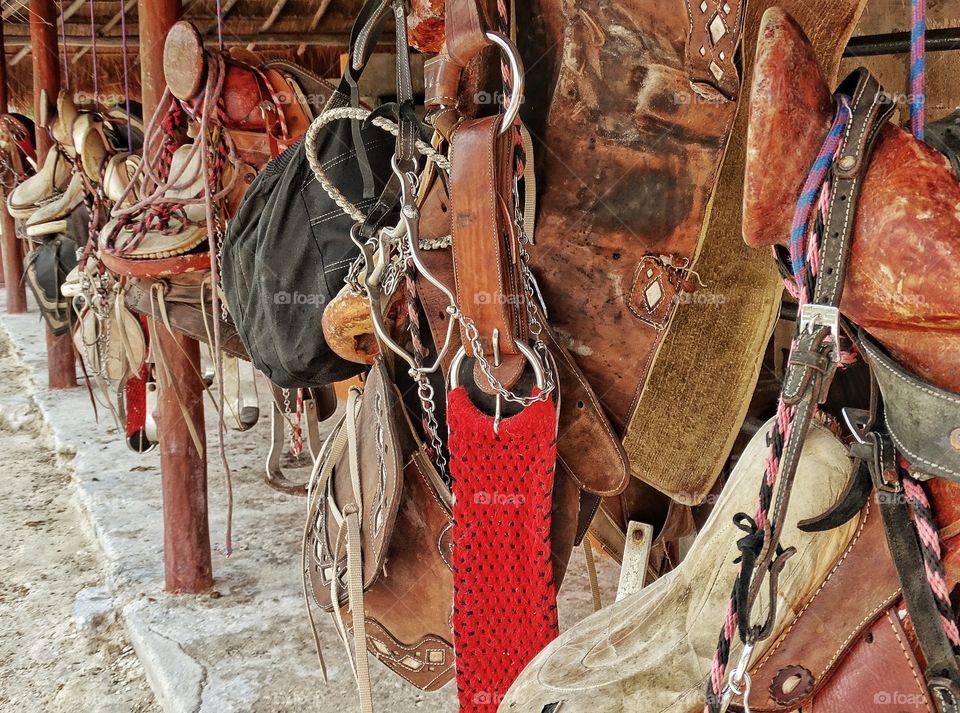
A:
<point x="949" y="398"/>
<point x="907" y="655"/>
<point x="856" y="630"/>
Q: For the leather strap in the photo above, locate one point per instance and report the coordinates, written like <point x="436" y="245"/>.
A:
<point x="813" y="359"/>
<point x="485" y="250"/>
<point x="466" y="28"/>
<point x="942" y="669"/>
<point x="870" y="108"/>
<point x="364" y="36"/>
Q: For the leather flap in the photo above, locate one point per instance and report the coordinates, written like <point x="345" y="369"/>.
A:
<point x="923" y="420"/>
<point x="859" y="589"/>
<point x="380" y="475"/>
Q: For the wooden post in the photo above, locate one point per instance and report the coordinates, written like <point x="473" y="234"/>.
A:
<point x="61" y="364"/>
<point x="186" y="532"/>
<point x="12" y="272"/>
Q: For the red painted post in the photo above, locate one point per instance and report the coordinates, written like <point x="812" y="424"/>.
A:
<point x="61" y="364"/>
<point x="186" y="532"/>
<point x="12" y="272"/>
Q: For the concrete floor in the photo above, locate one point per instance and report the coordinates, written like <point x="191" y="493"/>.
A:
<point x="246" y="646"/>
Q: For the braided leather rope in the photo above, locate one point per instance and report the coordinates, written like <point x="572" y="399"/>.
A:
<point x="918" y="66"/>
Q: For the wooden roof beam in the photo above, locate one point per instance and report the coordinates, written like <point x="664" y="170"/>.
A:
<point x="271" y="18"/>
<point x="315" y="23"/>
<point x="13" y="8"/>
<point x="111" y="23"/>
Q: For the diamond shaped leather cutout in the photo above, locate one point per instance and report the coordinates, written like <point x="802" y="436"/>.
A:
<point x="703" y="6"/>
<point x="717" y="71"/>
<point x="717" y="29"/>
<point x="726" y="9"/>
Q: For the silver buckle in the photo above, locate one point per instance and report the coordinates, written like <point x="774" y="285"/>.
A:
<point x="817" y="315"/>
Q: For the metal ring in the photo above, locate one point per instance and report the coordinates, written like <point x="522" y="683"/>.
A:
<point x="512" y="110"/>
<point x="526" y="351"/>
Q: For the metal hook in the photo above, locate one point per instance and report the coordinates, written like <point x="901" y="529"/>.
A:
<point x="739" y="681"/>
<point x="497" y="360"/>
<point x="528" y="353"/>
<point x="410" y="220"/>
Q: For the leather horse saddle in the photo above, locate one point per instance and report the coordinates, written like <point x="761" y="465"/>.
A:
<point x="827" y="650"/>
<point x="636" y="250"/>
<point x="635" y="273"/>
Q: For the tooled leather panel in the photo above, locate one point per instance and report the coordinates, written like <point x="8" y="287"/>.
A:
<point x="382" y="486"/>
<point x="408" y="609"/>
<point x="630" y="193"/>
<point x="714" y="35"/>
<point x="879" y="675"/>
<point x="860" y="587"/>
<point x="428" y="664"/>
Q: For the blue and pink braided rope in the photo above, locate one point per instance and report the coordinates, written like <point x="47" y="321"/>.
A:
<point x="918" y="66"/>
<point x="804" y="259"/>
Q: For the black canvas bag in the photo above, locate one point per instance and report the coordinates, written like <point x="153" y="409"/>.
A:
<point x="288" y="249"/>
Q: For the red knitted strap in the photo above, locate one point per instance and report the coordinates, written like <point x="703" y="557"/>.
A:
<point x="135" y="395"/>
<point x="504" y="602"/>
<point x="135" y="398"/>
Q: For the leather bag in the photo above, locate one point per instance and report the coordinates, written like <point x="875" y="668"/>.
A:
<point x="45" y="269"/>
<point x="376" y="500"/>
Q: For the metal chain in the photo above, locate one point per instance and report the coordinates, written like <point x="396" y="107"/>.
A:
<point x="426" y="394"/>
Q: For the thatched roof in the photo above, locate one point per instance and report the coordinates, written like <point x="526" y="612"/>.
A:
<point x="311" y="32"/>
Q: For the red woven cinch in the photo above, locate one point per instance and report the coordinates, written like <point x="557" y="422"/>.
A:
<point x="504" y="602"/>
